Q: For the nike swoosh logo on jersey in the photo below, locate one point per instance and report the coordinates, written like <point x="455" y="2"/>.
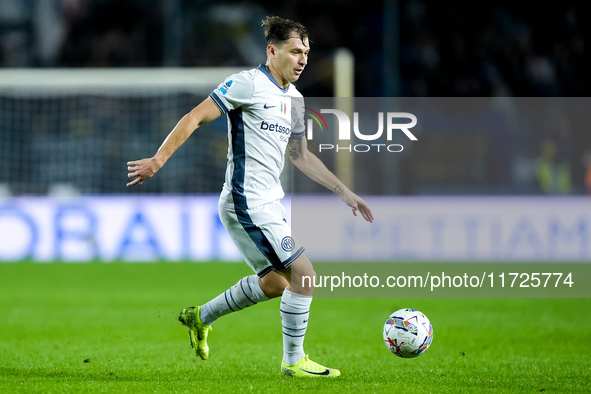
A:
<point x="324" y="373"/>
<point x="268" y="106"/>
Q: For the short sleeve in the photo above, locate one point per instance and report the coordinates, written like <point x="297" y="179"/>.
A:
<point x="234" y="92"/>
<point x="298" y="125"/>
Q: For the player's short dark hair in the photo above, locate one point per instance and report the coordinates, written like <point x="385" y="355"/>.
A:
<point x="279" y="30"/>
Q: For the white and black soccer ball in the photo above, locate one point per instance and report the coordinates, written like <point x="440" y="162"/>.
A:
<point x="408" y="333"/>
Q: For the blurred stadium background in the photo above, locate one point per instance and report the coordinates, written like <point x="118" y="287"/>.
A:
<point x="75" y="107"/>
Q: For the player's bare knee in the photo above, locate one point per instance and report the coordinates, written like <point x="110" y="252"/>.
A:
<point x="272" y="287"/>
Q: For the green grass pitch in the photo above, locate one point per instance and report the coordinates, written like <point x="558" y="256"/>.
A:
<point x="86" y="328"/>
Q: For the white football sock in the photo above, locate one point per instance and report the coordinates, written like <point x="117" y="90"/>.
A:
<point x="295" y="311"/>
<point x="245" y="293"/>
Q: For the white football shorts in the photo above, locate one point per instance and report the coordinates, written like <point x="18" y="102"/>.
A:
<point x="261" y="234"/>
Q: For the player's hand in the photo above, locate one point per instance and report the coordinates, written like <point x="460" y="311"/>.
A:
<point x="141" y="170"/>
<point x="357" y="204"/>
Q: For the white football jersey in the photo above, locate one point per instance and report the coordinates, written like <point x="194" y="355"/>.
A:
<point x="261" y="118"/>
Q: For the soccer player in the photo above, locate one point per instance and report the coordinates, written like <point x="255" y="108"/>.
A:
<point x="264" y="117"/>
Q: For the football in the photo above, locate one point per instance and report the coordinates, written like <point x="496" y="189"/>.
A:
<point x="408" y="333"/>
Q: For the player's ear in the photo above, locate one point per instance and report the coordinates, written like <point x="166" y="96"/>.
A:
<point x="271" y="50"/>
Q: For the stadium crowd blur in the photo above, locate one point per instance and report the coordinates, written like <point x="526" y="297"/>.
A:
<point x="445" y="49"/>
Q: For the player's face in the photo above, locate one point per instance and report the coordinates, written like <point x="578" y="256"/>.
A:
<point x="289" y="60"/>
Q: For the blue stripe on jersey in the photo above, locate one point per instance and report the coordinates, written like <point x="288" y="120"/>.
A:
<point x="272" y="78"/>
<point x="240" y="205"/>
<point x="218" y="102"/>
<point x="238" y="158"/>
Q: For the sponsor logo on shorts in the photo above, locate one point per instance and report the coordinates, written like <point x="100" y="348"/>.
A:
<point x="287" y="243"/>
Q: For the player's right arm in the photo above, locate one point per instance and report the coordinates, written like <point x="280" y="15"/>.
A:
<point x="143" y="169"/>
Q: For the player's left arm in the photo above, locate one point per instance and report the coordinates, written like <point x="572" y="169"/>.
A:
<point x="311" y="165"/>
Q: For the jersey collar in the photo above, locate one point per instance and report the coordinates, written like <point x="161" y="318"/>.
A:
<point x="272" y="78"/>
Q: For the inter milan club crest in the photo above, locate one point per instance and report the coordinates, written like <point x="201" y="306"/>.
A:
<point x="287" y="243"/>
